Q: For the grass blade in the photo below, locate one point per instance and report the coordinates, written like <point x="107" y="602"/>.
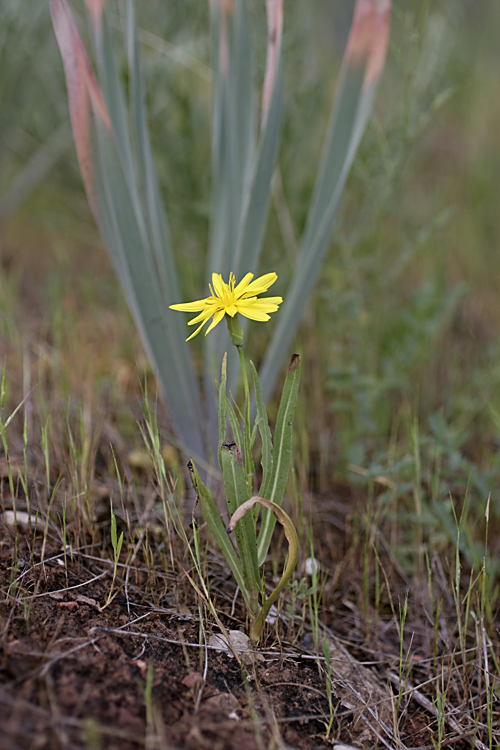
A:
<point x="218" y="529"/>
<point x="235" y="485"/>
<point x="264" y="431"/>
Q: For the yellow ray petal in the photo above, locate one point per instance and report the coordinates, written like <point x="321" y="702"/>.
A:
<point x="196" y="332"/>
<point x="190" y="306"/>
<point x="260" y="285"/>
<point x="217" y="319"/>
<point x="254" y="314"/>
<point x="218" y="285"/>
<point x="204" y="315"/>
<point x="241" y="288"/>
<point x="265" y="305"/>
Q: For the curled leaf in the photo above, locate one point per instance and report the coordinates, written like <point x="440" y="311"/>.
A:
<point x="293" y="552"/>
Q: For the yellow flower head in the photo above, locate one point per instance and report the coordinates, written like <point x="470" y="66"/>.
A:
<point x="228" y="299"/>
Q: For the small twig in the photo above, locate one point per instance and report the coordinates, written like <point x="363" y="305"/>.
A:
<point x="68" y="588"/>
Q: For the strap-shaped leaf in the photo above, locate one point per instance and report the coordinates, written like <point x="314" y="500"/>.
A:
<point x="226" y="410"/>
<point x="233" y="421"/>
<point x="233" y="156"/>
<point x="218" y="529"/>
<point x="235" y="485"/>
<point x="264" y="431"/>
<point x="122" y="233"/>
<point x="151" y="198"/>
<point x="274" y="487"/>
<point x="256" y="198"/>
<point x="293" y="553"/>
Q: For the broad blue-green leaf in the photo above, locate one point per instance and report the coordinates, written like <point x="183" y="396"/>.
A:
<point x="135" y="233"/>
<point x="361" y="69"/>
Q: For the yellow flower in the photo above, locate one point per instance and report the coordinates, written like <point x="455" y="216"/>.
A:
<point x="228" y="299"/>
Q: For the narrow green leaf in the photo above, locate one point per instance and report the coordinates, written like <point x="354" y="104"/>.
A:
<point x="247" y="428"/>
<point x="262" y="423"/>
<point x="119" y="546"/>
<point x="84" y="96"/>
<point x="232" y="128"/>
<point x="337" y="158"/>
<point x="293" y="552"/>
<point x="113" y="530"/>
<point x="275" y="486"/>
<point x="235" y="485"/>
<point x="233" y="155"/>
<point x="218" y="529"/>
<point x="151" y="197"/>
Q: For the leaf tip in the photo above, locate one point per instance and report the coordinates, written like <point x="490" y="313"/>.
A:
<point x="294" y="363"/>
<point x="369" y="37"/>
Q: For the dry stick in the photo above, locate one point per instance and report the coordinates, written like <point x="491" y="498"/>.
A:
<point x="68" y="588"/>
<point x="426" y="703"/>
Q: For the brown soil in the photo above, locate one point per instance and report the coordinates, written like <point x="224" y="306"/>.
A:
<point x="76" y="675"/>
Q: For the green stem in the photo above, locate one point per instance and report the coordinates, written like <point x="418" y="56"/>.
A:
<point x="247" y="429"/>
<point x="245" y="379"/>
<point x="236" y="334"/>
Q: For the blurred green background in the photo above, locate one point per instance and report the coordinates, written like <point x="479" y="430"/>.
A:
<point x="401" y="342"/>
